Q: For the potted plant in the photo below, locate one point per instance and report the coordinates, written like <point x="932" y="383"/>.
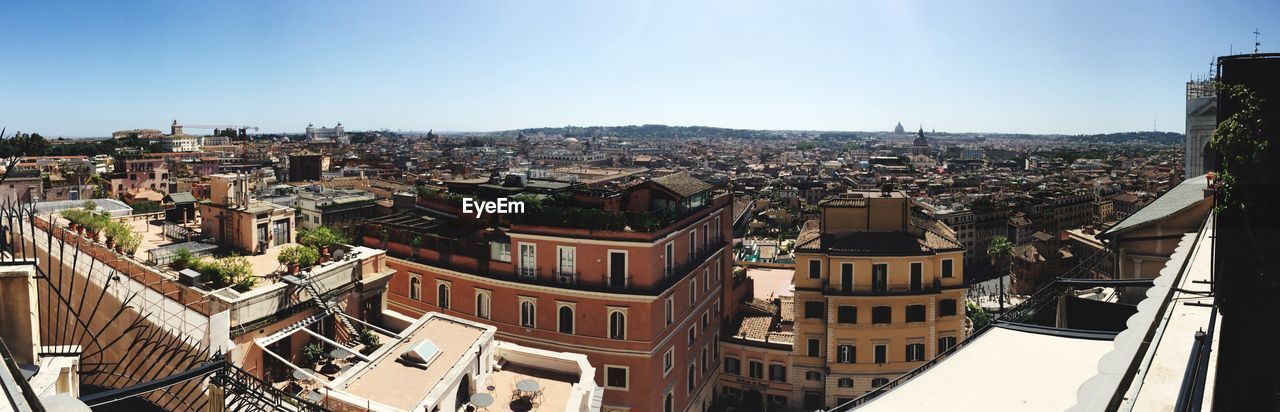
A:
<point x="181" y="259"/>
<point x="298" y="256"/>
<point x="313" y="353"/>
<point x="323" y="239"/>
<point x="415" y="243"/>
<point x="130" y="244"/>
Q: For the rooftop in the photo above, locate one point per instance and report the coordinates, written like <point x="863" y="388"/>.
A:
<point x="1013" y="361"/>
<point x="393" y="382"/>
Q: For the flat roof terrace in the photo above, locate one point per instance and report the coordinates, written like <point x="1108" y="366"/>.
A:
<point x="392" y="382"/>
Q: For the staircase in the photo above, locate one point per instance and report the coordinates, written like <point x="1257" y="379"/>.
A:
<point x="245" y="392"/>
<point x="346" y="332"/>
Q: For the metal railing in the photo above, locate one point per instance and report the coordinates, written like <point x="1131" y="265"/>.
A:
<point x="17" y="392"/>
<point x="864" y="289"/>
<point x="252" y="393"/>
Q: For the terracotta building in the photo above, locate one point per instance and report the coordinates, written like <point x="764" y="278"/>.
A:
<point x="633" y="277"/>
<point x="877" y="293"/>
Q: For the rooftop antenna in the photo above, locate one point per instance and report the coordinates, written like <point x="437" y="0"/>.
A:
<point x="1256" y="43"/>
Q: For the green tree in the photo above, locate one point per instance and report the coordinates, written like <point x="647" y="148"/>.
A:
<point x="1001" y="252"/>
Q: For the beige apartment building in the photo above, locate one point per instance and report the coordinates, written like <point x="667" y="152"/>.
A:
<point x="877" y="293"/>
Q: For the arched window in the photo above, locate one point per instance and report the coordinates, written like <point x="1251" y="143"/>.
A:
<point x="482" y="305"/>
<point x="566" y="319"/>
<point x="527" y="314"/>
<point x="617" y="325"/>
<point x="442" y="296"/>
<point x="668" y="404"/>
<point x="415" y="288"/>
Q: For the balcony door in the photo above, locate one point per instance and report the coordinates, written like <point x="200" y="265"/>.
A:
<point x="917" y="275"/>
<point x="846" y="277"/>
<point x="617" y="269"/>
<point x="880" y="277"/>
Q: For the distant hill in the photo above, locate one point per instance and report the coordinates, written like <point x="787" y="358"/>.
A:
<point x="658" y="131"/>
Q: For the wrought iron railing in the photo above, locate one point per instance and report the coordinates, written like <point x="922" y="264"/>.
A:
<point x="246" y="392"/>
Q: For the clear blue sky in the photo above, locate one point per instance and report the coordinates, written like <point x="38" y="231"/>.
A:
<point x="87" y="68"/>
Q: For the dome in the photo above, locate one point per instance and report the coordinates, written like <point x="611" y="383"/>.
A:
<point x="571" y="140"/>
<point x="920" y="139"/>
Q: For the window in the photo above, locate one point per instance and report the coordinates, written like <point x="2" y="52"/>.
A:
<point x="482" y="304"/>
<point x="691" y="379"/>
<point x="706" y="236"/>
<point x="755" y="369"/>
<point x="847" y="314"/>
<point x="615" y="377"/>
<point x="777" y="373"/>
<point x="442" y="295"/>
<point x="693" y="292"/>
<point x="617" y="324"/>
<point x="669" y="264"/>
<point x="717" y="229"/>
<point x="668" y="403"/>
<point x="882" y="352"/>
<point x="882" y="314"/>
<point x="706" y="320"/>
<point x="528" y="313"/>
<point x="706" y="362"/>
<point x="813" y="376"/>
<point x="880" y="277"/>
<point x="917" y="275"/>
<point x="617" y="269"/>
<point x="776" y="400"/>
<point x="732" y="366"/>
<point x="813" y="309"/>
<point x="814" y="349"/>
<point x="915" y="313"/>
<point x="500" y="251"/>
<point x="846" y="354"/>
<point x="846" y="277"/>
<point x="812" y="400"/>
<point x="845" y="383"/>
<point x="528" y="260"/>
<point x="693" y="244"/>
<point x="415" y="288"/>
<point x="878" y="382"/>
<point x="693" y="334"/>
<point x="706" y="279"/>
<point x="815" y="269"/>
<point x="915" y="352"/>
<point x="565" y="318"/>
<point x="947" y="307"/>
<point x="946" y="342"/>
<point x="668" y="360"/>
<point x="671" y="310"/>
<point x="567" y="263"/>
<point x="946" y="268"/>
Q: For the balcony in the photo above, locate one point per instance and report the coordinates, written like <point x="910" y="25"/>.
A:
<point x="891" y="289"/>
<point x="567" y="278"/>
<point x="484" y="267"/>
<point x="616" y="283"/>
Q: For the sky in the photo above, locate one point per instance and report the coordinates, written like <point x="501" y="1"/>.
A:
<point x="87" y="68"/>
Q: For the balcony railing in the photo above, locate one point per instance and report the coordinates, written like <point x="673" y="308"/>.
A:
<point x="611" y="282"/>
<point x="567" y="278"/>
<point x="864" y="289"/>
<point x="534" y="276"/>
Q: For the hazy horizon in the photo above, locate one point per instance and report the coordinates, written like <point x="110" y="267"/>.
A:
<point x="86" y="69"/>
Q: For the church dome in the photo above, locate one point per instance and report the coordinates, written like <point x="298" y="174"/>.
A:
<point x="920" y="139"/>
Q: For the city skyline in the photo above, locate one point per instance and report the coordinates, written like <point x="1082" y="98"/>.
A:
<point x="76" y="71"/>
